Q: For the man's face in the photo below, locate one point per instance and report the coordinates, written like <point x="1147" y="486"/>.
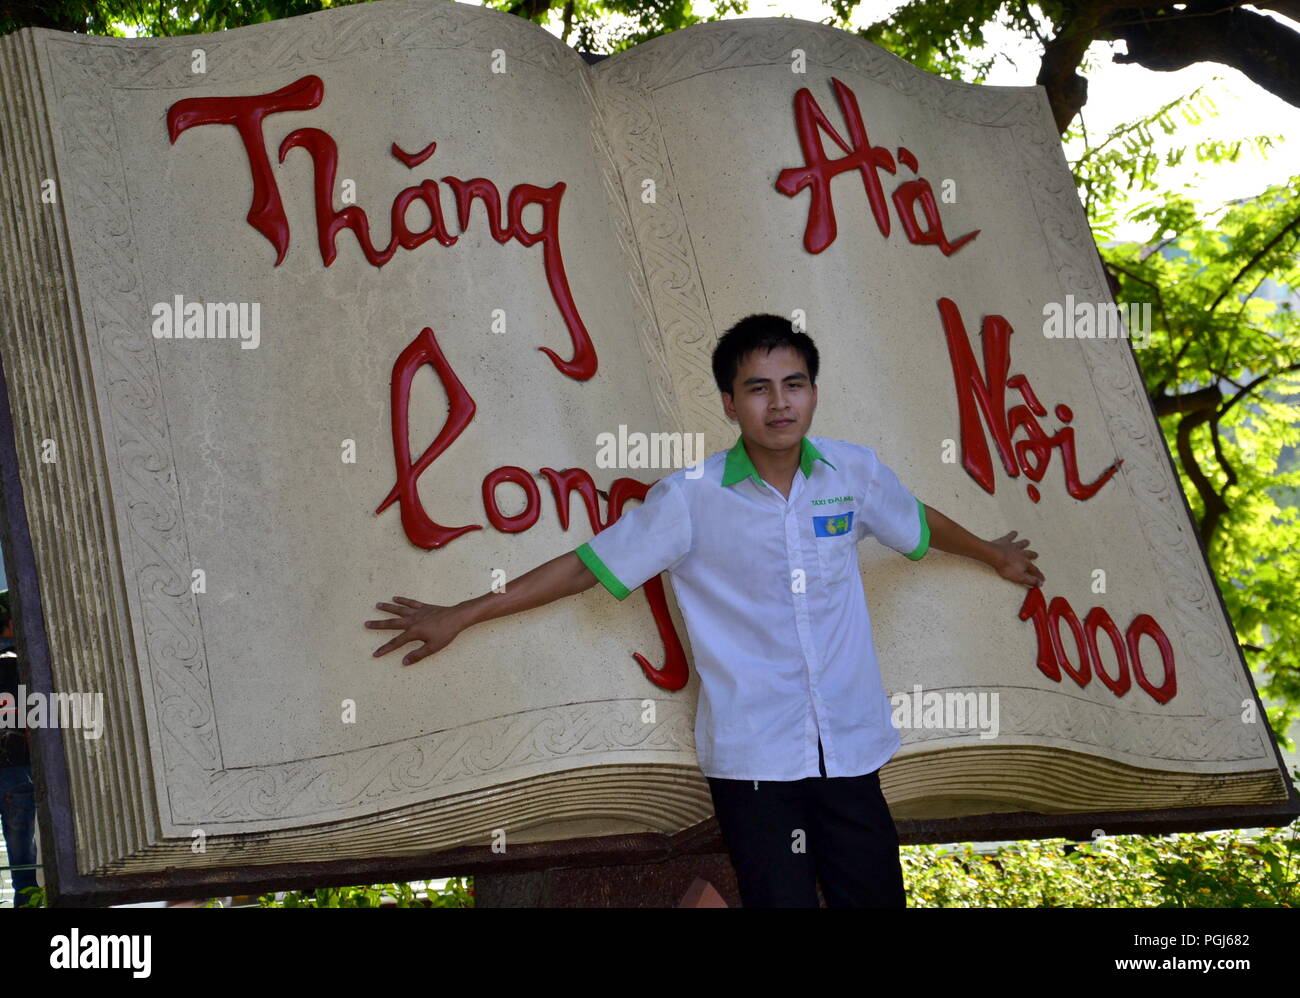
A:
<point x="773" y="399"/>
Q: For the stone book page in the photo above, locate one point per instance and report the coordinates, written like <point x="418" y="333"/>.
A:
<point x="916" y="224"/>
<point x="256" y="490"/>
<point x="307" y="315"/>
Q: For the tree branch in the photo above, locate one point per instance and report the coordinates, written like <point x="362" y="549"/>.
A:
<point x="1265" y="50"/>
<point x="1067" y="91"/>
<point x="1201" y="400"/>
<point x="1214" y="505"/>
<point x="1255" y="384"/>
<point x="1200" y="407"/>
<point x="568" y="21"/>
<point x="1254" y="260"/>
<point x="1219" y="456"/>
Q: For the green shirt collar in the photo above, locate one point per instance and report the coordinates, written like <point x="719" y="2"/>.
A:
<point x="739" y="466"/>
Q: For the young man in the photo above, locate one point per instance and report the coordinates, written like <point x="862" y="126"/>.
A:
<point x="793" y="723"/>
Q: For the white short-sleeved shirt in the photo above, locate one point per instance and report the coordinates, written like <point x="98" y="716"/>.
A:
<point x="773" y="603"/>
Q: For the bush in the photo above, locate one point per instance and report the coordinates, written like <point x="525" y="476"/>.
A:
<point x="458" y="892"/>
<point x="1185" y="870"/>
<point x="1228" y="869"/>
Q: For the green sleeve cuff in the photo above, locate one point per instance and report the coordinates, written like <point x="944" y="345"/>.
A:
<point x="607" y="578"/>
<point x="924" y="544"/>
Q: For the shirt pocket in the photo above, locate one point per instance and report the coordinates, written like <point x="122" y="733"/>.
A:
<point x="837" y="550"/>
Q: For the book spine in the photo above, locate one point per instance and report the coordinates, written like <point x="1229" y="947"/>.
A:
<point x="669" y="278"/>
<point x="624" y="199"/>
<point x="58" y="447"/>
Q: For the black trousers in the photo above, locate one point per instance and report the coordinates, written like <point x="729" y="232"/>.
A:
<point x="784" y="836"/>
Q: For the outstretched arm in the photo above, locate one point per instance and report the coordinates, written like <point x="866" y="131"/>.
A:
<point x="1007" y="556"/>
<point x="437" y="626"/>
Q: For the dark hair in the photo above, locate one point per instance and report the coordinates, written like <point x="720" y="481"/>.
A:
<point x="4" y="609"/>
<point x="758" y="332"/>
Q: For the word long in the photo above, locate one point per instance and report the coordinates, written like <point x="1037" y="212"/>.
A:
<point x="423" y="532"/>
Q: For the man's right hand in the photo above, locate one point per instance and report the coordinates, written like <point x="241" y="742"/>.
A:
<point x="436" y="626"/>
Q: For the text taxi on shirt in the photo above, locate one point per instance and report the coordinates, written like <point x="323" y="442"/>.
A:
<point x="773" y="603"/>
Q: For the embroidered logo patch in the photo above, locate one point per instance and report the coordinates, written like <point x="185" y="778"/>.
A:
<point x="833" y="526"/>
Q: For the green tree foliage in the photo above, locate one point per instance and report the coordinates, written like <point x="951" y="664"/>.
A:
<point x="1158" y="35"/>
<point x="1186" y="870"/>
<point x="606" y="26"/>
<point x="1127" y="160"/>
<point x="1222" y="367"/>
<point x="609" y="26"/>
<point x="151" y="19"/>
<point x="458" y="892"/>
<point x="942" y="38"/>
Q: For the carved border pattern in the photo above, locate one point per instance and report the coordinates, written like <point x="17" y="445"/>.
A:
<point x="1067" y="716"/>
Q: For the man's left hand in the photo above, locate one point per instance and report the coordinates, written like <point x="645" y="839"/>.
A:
<point x="1016" y="563"/>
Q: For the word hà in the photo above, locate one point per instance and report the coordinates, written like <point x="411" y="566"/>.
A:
<point x="818" y="171"/>
<point x="1087" y="320"/>
<point x="946" y="710"/>
<point x="651" y="450"/>
<point x="214" y="320"/>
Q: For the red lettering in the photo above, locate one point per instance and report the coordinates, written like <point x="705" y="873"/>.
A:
<point x="424" y="349"/>
<point x="1051" y="653"/>
<point x="1035" y="607"/>
<point x="1099" y="618"/>
<point x="564" y="484"/>
<point x="583" y="364"/>
<point x="913" y="192"/>
<point x="532" y="507"/>
<point x="1059" y="610"/>
<point x="329" y="222"/>
<point x="1144" y="625"/>
<point x="818" y="171"/>
<point x="428" y="193"/>
<point x="983" y="393"/>
<point x="267" y="216"/>
<point x="985" y="390"/>
<point x="675" y="671"/>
